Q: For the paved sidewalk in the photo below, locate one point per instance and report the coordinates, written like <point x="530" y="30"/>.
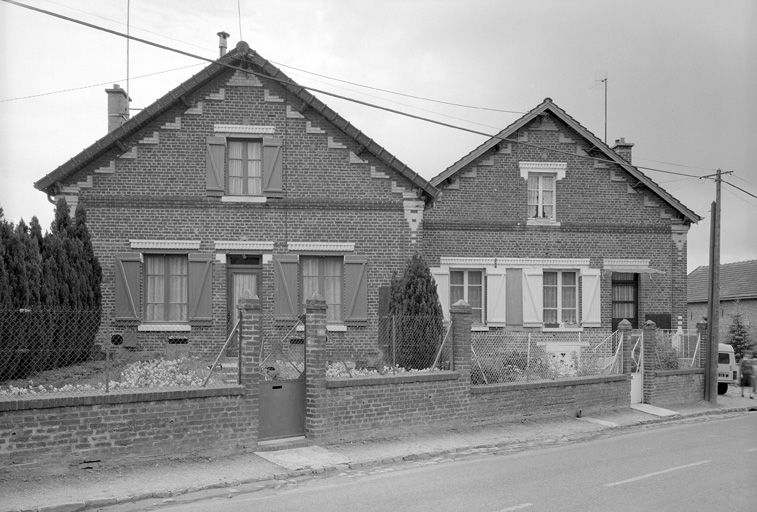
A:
<point x="89" y="489"/>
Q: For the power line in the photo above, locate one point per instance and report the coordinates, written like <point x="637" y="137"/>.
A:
<point x="423" y="98"/>
<point x="327" y="93"/>
<point x="739" y="188"/>
<point x="93" y="85"/>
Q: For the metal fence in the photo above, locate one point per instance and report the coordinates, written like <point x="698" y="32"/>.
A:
<point x="45" y="351"/>
<point x="678" y="349"/>
<point x="407" y="343"/>
<point x="514" y="356"/>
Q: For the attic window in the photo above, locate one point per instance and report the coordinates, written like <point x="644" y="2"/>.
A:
<point x="541" y="178"/>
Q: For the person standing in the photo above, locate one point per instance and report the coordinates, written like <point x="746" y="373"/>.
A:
<point x="747" y="374"/>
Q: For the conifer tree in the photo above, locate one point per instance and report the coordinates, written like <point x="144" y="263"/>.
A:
<point x="738" y="336"/>
<point x="418" y="315"/>
<point x="32" y="262"/>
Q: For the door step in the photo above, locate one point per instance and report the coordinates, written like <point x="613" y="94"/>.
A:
<point x="282" y="444"/>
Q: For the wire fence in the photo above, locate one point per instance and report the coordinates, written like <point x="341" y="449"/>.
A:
<point x="407" y="343"/>
<point x="678" y="349"/>
<point x="45" y="351"/>
<point x="514" y="356"/>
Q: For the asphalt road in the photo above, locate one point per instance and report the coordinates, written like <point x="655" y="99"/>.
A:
<point x="707" y="466"/>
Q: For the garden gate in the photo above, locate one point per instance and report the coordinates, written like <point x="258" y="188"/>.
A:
<point x="637" y="372"/>
<point x="282" y="385"/>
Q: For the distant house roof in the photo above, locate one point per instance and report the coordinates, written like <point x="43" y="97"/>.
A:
<point x="737" y="281"/>
<point x="549" y="106"/>
<point x="242" y="55"/>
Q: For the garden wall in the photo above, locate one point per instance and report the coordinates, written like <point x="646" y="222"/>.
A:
<point x="117" y="427"/>
<point x="551" y="398"/>
<point x="674" y="386"/>
<point x="373" y="406"/>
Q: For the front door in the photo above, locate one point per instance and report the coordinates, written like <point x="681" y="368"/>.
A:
<point x="625" y="299"/>
<point x="243" y="283"/>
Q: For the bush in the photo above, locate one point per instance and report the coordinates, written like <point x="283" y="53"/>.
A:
<point x="667" y="356"/>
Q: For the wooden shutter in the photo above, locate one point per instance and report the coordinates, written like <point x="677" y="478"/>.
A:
<point x="285" y="272"/>
<point x="591" y="311"/>
<point x="128" y="274"/>
<point x="272" y="168"/>
<point x="496" y="297"/>
<point x="216" y="162"/>
<point x="533" y="298"/>
<point x="200" y="286"/>
<point x="355" y="288"/>
<point x="514" y="307"/>
<point x="442" y="288"/>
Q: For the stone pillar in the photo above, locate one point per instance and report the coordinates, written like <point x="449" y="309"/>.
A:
<point x="649" y="361"/>
<point x="626" y="363"/>
<point x="250" y="329"/>
<point x="316" y="360"/>
<point x="460" y="314"/>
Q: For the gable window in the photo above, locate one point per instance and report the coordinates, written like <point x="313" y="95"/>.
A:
<point x="245" y="164"/>
<point x="560" y="298"/>
<point x="541" y="196"/>
<point x="166" y="288"/>
<point x="468" y="285"/>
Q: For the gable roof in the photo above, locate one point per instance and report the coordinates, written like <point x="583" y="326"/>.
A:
<point x="241" y="55"/>
<point x="737" y="281"/>
<point x="549" y="106"/>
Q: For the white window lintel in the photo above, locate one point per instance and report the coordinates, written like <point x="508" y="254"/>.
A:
<point x="321" y="246"/>
<point x="556" y="168"/>
<point x="190" y="245"/>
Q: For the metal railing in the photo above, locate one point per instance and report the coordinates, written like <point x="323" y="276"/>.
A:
<point x="284" y="358"/>
<point x="677" y="348"/>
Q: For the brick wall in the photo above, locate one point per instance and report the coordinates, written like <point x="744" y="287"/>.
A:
<point x="122" y="426"/>
<point x="556" y="398"/>
<point x="674" y="386"/>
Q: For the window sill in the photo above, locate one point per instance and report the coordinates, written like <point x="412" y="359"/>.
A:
<point x="243" y="199"/>
<point x="562" y="329"/>
<point x="541" y="222"/>
<point x="479" y="328"/>
<point x="164" y="328"/>
<point x="329" y="328"/>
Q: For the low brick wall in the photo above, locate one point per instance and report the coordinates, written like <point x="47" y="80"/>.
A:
<point x="374" y="406"/>
<point x="118" y="427"/>
<point x="674" y="386"/>
<point x="550" y="398"/>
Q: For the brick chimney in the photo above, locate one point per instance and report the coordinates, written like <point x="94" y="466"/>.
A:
<point x="623" y="149"/>
<point x="118" y="107"/>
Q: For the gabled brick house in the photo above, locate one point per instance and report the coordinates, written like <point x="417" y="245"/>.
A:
<point x="539" y="237"/>
<point x="236" y="184"/>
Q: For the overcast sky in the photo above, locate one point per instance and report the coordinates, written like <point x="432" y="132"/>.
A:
<point x="682" y="78"/>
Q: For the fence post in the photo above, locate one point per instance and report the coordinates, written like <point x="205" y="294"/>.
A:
<point x="251" y="336"/>
<point x="315" y="367"/>
<point x="649" y="361"/>
<point x="626" y="363"/>
<point x="460" y="314"/>
<point x="702" y="330"/>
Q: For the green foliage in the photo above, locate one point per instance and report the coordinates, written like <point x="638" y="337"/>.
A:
<point x="738" y="336"/>
<point x="49" y="291"/>
<point x="667" y="356"/>
<point x="414" y="304"/>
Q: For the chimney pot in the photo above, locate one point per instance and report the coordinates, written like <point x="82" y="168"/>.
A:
<point x="118" y="107"/>
<point x="222" y="42"/>
<point x="623" y="149"/>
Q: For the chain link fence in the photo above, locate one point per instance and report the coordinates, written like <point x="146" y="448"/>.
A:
<point x="677" y="349"/>
<point x="514" y="356"/>
<point x="45" y="351"/>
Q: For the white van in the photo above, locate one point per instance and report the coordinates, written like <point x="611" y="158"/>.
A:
<point x="728" y="372"/>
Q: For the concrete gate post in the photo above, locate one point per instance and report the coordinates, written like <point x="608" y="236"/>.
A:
<point x="624" y="328"/>
<point x="315" y="367"/>
<point x="460" y="314"/>
<point x="703" y="329"/>
<point x="649" y="361"/>
<point x="250" y="328"/>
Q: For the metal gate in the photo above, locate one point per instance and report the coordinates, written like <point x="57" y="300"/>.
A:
<point x="637" y="371"/>
<point x="282" y="385"/>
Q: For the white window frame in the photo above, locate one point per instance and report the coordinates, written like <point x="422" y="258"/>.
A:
<point x="561" y="324"/>
<point x="540" y="189"/>
<point x="165" y="276"/>
<point x="466" y="271"/>
<point x="541" y="169"/>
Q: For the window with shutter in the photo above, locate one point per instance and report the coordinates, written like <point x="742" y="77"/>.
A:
<point x="128" y="275"/>
<point x="200" y="290"/>
<point x="355" y="289"/>
<point x="165" y="283"/>
<point x="241" y="167"/>
<point x="285" y="272"/>
<point x="441" y="277"/>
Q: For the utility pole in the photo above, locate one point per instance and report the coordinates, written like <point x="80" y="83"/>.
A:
<point x="605" y="82"/>
<point x="713" y="304"/>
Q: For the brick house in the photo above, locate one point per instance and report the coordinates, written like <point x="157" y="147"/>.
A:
<point x="738" y="294"/>
<point x="239" y="183"/>
<point x="537" y="236"/>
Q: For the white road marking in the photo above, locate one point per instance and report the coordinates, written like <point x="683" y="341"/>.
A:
<point x="516" y="507"/>
<point x="641" y="477"/>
